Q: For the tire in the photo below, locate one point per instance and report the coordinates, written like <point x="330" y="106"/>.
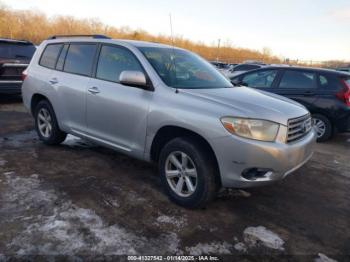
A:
<point x="323" y="127"/>
<point x="205" y="185"/>
<point x="54" y="135"/>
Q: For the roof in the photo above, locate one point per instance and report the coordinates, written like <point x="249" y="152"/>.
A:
<point x="312" y="69"/>
<point x="315" y="69"/>
<point x="105" y="39"/>
<point x="9" y="40"/>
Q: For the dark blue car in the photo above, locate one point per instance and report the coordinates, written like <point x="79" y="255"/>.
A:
<point x="325" y="93"/>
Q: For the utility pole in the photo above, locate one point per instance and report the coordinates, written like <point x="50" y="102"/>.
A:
<point x="218" y="54"/>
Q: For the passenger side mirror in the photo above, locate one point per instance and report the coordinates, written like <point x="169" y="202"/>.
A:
<point x="133" y="78"/>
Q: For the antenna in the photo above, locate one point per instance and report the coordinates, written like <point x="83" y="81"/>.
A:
<point x="171" y="30"/>
<point x="173" y="45"/>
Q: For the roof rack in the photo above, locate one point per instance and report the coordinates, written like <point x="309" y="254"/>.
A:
<point x="67" y="36"/>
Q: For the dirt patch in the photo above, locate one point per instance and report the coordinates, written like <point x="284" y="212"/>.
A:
<point x="80" y="199"/>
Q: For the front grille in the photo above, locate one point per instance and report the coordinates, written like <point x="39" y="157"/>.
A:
<point x="298" y="128"/>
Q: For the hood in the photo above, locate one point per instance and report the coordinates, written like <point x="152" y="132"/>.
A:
<point x="250" y="103"/>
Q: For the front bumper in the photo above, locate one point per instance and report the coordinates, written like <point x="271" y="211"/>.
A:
<point x="235" y="155"/>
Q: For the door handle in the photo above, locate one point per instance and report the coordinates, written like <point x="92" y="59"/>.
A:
<point x="94" y="90"/>
<point x="53" y="81"/>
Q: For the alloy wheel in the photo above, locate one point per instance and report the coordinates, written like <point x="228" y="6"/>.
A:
<point x="319" y="126"/>
<point x="181" y="174"/>
<point x="44" y="123"/>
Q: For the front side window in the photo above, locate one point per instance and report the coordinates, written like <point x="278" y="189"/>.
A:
<point x="297" y="79"/>
<point x="79" y="59"/>
<point x="49" y="56"/>
<point x="182" y="69"/>
<point x="260" y="79"/>
<point x="113" y="61"/>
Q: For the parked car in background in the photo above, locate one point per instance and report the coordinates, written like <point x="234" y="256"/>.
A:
<point x="232" y="64"/>
<point x="220" y="65"/>
<point x="15" y="56"/>
<point x="343" y="69"/>
<point x="242" y="68"/>
<point x="169" y="106"/>
<point x="325" y="93"/>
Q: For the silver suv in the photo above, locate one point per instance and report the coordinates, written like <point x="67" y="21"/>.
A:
<point x="166" y="105"/>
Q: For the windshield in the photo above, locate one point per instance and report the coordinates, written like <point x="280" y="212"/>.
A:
<point x="16" y="51"/>
<point x="183" y="69"/>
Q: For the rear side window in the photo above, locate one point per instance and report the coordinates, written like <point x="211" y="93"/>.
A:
<point x="114" y="60"/>
<point x="49" y="56"/>
<point x="261" y="79"/>
<point x="79" y="59"/>
<point x="297" y="79"/>
<point x="329" y="82"/>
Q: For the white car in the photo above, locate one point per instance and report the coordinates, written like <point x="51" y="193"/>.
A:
<point x="242" y="68"/>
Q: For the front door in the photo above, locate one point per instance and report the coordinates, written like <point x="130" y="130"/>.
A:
<point x="117" y="114"/>
<point x="261" y="79"/>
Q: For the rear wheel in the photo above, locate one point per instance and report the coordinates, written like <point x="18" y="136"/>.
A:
<point x="323" y="127"/>
<point x="46" y="124"/>
<point x="187" y="173"/>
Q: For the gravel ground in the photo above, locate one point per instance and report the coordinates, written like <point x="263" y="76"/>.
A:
<point x="83" y="201"/>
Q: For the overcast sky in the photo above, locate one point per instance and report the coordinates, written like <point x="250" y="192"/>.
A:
<point x="295" y="29"/>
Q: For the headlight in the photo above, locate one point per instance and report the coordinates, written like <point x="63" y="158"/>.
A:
<point x="251" y="128"/>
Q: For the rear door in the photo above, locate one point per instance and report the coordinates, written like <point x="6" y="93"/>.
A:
<point x="71" y="79"/>
<point x="299" y="85"/>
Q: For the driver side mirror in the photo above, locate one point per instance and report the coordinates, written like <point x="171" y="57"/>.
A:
<point x="133" y="78"/>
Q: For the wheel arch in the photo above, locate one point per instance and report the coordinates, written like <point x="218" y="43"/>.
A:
<point x="169" y="132"/>
<point x="36" y="98"/>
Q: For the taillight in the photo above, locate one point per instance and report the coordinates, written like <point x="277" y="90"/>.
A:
<point x="344" y="94"/>
<point x="24" y="74"/>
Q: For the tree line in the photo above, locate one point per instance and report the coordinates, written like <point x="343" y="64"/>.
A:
<point x="36" y="26"/>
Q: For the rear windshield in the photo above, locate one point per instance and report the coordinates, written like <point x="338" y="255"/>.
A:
<point x="16" y="51"/>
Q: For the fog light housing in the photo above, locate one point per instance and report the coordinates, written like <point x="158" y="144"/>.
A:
<point x="256" y="173"/>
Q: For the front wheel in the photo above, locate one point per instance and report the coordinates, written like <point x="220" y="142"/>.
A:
<point x="46" y="124"/>
<point x="187" y="173"/>
<point x="323" y="127"/>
